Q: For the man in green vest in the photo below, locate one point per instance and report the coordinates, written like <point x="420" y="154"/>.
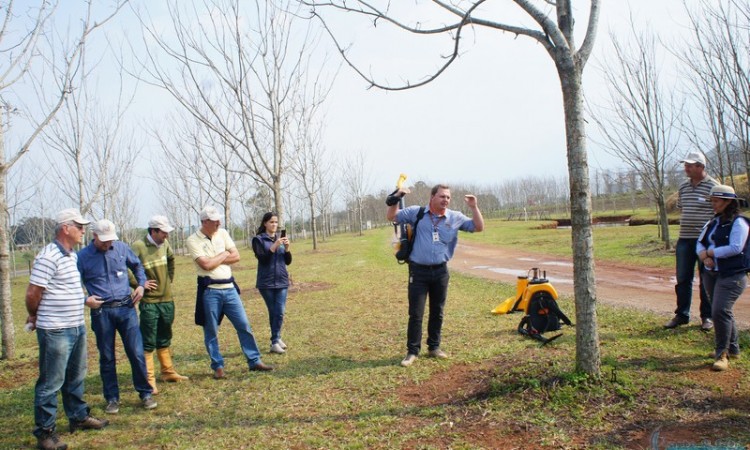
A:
<point x="157" y="305"/>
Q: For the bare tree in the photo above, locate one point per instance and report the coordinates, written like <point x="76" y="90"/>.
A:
<point x="196" y="167"/>
<point x="91" y="140"/>
<point x="310" y="166"/>
<point x="357" y="179"/>
<point x="554" y="30"/>
<point x="179" y="169"/>
<point x="326" y="203"/>
<point x="20" y="45"/>
<point x="718" y="56"/>
<point x="239" y="70"/>
<point x="640" y="120"/>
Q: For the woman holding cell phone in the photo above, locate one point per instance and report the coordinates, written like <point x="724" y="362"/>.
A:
<point x="272" y="249"/>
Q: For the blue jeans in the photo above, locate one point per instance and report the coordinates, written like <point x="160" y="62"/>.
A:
<point x="123" y="320"/>
<point x="724" y="292"/>
<point x="276" y="303"/>
<point x="423" y="282"/>
<point x="62" y="367"/>
<point x="228" y="302"/>
<point x="686" y="259"/>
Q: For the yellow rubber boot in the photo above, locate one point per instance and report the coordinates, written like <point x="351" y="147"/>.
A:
<point x="167" y="368"/>
<point x="150" y="370"/>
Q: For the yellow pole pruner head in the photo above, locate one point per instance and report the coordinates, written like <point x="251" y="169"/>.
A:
<point x="401" y="180"/>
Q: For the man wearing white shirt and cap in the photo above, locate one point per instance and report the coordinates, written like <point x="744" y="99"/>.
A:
<point x="157" y="305"/>
<point x="213" y="251"/>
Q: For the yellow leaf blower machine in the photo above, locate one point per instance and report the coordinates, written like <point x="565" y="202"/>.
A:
<point x="526" y="287"/>
<point x="537" y="298"/>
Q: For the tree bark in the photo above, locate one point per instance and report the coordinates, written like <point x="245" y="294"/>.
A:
<point x="587" y="334"/>
<point x="8" y="331"/>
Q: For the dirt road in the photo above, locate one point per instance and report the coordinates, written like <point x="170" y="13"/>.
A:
<point x="617" y="284"/>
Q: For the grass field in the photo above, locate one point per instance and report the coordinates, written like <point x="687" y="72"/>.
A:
<point x="340" y="385"/>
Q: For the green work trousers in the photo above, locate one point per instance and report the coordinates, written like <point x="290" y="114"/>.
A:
<point x="156" y="324"/>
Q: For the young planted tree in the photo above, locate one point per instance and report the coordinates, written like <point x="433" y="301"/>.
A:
<point x="238" y="67"/>
<point x="719" y="57"/>
<point x="310" y="166"/>
<point x="357" y="179"/>
<point x="640" y="121"/>
<point x="21" y="44"/>
<point x="553" y="28"/>
<point x="97" y="150"/>
<point x="196" y="167"/>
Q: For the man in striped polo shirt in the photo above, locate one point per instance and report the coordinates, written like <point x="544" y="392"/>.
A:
<point x="54" y="300"/>
<point x="695" y="210"/>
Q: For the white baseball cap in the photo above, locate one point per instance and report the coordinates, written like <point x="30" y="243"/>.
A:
<point x="210" y="213"/>
<point x="161" y="223"/>
<point x="695" y="157"/>
<point x="71" y="215"/>
<point x="105" y="230"/>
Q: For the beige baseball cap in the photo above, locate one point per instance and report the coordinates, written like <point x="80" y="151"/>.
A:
<point x="105" y="230"/>
<point x="161" y="223"/>
<point x="71" y="215"/>
<point x="210" y="213"/>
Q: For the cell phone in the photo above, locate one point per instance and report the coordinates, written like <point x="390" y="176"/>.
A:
<point x="283" y="233"/>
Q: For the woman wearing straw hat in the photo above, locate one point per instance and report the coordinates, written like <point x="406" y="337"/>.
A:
<point x="723" y="248"/>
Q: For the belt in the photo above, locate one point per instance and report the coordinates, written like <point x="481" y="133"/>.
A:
<point x="430" y="267"/>
<point x="125" y="301"/>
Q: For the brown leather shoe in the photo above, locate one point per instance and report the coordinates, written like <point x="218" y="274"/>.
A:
<point x="219" y="374"/>
<point x="50" y="440"/>
<point x="89" y="423"/>
<point x="676" y="322"/>
<point x="261" y="367"/>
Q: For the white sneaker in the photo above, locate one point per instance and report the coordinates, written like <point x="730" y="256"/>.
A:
<point x="113" y="407"/>
<point x="409" y="360"/>
<point x="277" y="348"/>
<point x="282" y="344"/>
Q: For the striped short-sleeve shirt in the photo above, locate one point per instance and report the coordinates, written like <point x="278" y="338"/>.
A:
<point x="62" y="300"/>
<point x="695" y="206"/>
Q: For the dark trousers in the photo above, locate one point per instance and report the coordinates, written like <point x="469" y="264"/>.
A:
<point x="724" y="292"/>
<point x="685" y="271"/>
<point x="426" y="281"/>
<point x="123" y="320"/>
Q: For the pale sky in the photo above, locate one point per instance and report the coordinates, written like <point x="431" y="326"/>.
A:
<point x="494" y="115"/>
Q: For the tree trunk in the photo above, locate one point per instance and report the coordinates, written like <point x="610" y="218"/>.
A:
<point x="587" y="335"/>
<point x="313" y="223"/>
<point x="6" y="297"/>
<point x="661" y="206"/>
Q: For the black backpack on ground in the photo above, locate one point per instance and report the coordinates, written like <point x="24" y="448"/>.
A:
<point x="542" y="315"/>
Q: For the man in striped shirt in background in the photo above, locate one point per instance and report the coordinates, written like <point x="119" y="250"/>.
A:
<point x="696" y="210"/>
<point x="54" y="300"/>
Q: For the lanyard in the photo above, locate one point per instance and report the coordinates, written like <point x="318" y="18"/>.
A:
<point x="434" y="223"/>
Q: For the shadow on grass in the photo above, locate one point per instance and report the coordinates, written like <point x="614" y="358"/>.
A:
<point x="323" y="365"/>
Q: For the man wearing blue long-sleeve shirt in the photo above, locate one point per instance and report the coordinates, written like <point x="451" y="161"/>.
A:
<point x="433" y="245"/>
<point x="104" y="265"/>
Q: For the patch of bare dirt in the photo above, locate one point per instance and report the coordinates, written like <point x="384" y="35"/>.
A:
<point x="704" y="404"/>
<point x="456" y="385"/>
